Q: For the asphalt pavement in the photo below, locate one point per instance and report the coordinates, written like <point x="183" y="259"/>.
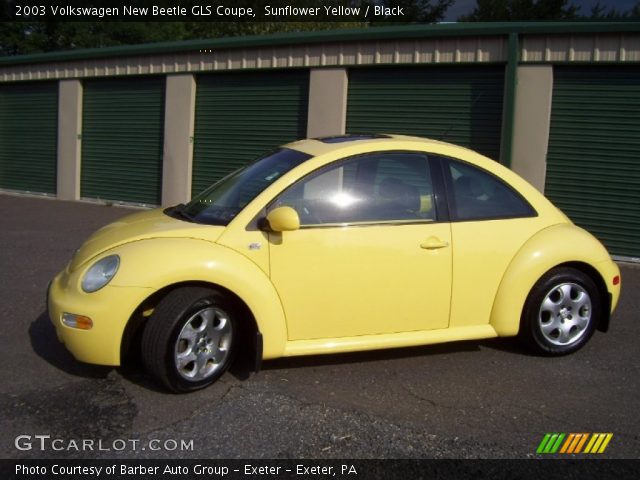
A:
<point x="474" y="399"/>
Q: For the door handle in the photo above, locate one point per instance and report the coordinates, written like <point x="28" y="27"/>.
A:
<point x="433" y="243"/>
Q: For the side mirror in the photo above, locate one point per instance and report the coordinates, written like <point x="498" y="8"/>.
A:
<point x="283" y="219"/>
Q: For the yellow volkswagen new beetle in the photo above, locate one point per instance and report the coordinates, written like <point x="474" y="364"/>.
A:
<point x="335" y="244"/>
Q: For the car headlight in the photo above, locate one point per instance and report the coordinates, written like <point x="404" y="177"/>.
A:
<point x="100" y="273"/>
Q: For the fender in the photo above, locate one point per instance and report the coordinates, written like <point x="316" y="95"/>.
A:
<point x="550" y="247"/>
<point x="159" y="262"/>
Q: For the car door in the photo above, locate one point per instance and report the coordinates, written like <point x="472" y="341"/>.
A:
<point x="370" y="256"/>
<point x="490" y="222"/>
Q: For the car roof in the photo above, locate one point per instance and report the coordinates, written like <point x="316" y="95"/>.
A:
<point x="377" y="141"/>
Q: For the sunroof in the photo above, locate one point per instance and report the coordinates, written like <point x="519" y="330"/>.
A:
<point x="351" y="138"/>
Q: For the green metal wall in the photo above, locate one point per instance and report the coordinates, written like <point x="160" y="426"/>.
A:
<point x="122" y="139"/>
<point x="240" y="116"/>
<point x="29" y="136"/>
<point x="593" y="164"/>
<point x="461" y="105"/>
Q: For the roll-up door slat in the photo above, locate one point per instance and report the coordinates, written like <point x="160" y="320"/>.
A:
<point x="28" y="136"/>
<point x="593" y="166"/>
<point x="122" y="139"/>
<point x="240" y="116"/>
<point x="460" y="105"/>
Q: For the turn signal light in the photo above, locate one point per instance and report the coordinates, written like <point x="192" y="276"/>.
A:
<point x="77" y="321"/>
<point x="616" y="280"/>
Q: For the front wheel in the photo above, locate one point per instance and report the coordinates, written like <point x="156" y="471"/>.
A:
<point x="561" y="312"/>
<point x="190" y="340"/>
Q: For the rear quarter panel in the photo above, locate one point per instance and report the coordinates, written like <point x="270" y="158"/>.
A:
<point x="553" y="246"/>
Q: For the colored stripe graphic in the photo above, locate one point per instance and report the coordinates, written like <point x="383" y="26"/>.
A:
<point x="556" y="445"/>
<point x="581" y="443"/>
<point x="543" y="443"/>
<point x="553" y="443"/>
<point x="574" y="443"/>
<point x="550" y="443"/>
<point x="598" y="442"/>
<point x="569" y="444"/>
<point x="605" y="443"/>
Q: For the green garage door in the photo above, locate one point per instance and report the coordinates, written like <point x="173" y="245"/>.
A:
<point x="122" y="135"/>
<point x="461" y="105"/>
<point x="28" y="136"/>
<point x="240" y="116"/>
<point x="593" y="164"/>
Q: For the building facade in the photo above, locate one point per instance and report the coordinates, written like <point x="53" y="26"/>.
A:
<point x="154" y="124"/>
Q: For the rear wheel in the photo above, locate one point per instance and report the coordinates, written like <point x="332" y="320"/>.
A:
<point x="190" y="340"/>
<point x="561" y="312"/>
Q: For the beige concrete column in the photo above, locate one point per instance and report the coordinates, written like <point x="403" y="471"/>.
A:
<point x="327" y="102"/>
<point x="179" y="112"/>
<point x="69" y="128"/>
<point x="531" y="124"/>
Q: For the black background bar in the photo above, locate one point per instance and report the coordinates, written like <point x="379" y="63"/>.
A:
<point x="537" y="469"/>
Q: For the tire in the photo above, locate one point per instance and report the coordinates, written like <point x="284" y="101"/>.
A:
<point x="561" y="312"/>
<point x="191" y="339"/>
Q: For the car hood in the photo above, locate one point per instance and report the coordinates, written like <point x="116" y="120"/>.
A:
<point x="141" y="226"/>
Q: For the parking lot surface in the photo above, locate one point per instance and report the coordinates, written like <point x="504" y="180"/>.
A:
<point x="475" y="399"/>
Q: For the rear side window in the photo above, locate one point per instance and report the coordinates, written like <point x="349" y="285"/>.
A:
<point x="478" y="195"/>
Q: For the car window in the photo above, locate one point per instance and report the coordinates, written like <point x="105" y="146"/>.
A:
<point x="365" y="189"/>
<point x="478" y="195"/>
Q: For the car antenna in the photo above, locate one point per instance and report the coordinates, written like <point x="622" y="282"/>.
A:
<point x="442" y="137"/>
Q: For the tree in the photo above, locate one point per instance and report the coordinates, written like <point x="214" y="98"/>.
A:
<point x="415" y="11"/>
<point x="521" y="10"/>
<point x="35" y="35"/>
<point x="600" y="12"/>
<point x="20" y="38"/>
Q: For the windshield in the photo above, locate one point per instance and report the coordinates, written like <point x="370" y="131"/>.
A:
<point x="221" y="202"/>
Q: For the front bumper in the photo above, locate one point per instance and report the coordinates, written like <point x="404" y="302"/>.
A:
<point x="109" y="308"/>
